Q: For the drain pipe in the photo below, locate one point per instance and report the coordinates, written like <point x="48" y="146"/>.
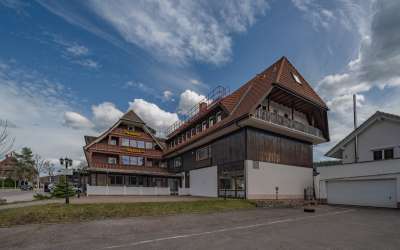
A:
<point x="355" y="127"/>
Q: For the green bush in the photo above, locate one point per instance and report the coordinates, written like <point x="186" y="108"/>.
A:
<point x="60" y="190"/>
<point x="41" y="196"/>
<point x="8" y="183"/>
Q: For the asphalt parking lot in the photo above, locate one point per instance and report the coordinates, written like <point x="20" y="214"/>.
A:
<point x="328" y="228"/>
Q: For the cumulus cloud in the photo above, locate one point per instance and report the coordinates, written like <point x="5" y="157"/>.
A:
<point x="76" y="120"/>
<point x="105" y="115"/>
<point x="188" y="99"/>
<point x="177" y="31"/>
<point x="153" y="115"/>
<point x="375" y="69"/>
<point x="167" y="95"/>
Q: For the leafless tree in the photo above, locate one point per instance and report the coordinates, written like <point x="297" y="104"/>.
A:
<point x="49" y="168"/>
<point x="6" y="141"/>
<point x="40" y="167"/>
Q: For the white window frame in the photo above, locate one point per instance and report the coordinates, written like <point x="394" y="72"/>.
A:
<point x="112" y="160"/>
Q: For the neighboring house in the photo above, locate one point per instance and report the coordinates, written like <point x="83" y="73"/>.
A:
<point x="254" y="143"/>
<point x="7" y="166"/>
<point x="370" y="174"/>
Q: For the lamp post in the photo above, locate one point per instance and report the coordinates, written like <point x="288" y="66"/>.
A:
<point x="66" y="162"/>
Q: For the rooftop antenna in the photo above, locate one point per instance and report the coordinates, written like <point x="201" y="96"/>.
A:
<point x="355" y="127"/>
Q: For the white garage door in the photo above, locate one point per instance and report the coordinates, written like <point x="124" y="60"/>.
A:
<point x="377" y="193"/>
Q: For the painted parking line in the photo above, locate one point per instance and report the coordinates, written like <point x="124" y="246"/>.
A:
<point x="222" y="230"/>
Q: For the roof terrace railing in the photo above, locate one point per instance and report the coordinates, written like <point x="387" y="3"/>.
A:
<point x="283" y="121"/>
<point x="212" y="97"/>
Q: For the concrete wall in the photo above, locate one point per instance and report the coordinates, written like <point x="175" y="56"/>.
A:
<point x="204" y="182"/>
<point x="382" y="134"/>
<point x="125" y="190"/>
<point x="291" y="180"/>
<point x="360" y="171"/>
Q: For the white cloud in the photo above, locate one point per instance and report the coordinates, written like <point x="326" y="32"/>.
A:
<point x="177" y="31"/>
<point x="76" y="120"/>
<point x="188" y="99"/>
<point x="371" y="74"/>
<point x="168" y="95"/>
<point x="153" y="115"/>
<point x="37" y="106"/>
<point x="78" y="50"/>
<point x="105" y="115"/>
<point x="89" y="63"/>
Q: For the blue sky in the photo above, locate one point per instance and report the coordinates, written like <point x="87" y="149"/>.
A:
<point x="69" y="68"/>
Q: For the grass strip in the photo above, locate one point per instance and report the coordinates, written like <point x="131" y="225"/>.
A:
<point x="61" y="213"/>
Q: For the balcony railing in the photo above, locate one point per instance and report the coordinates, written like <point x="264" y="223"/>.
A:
<point x="289" y="123"/>
<point x="126" y="150"/>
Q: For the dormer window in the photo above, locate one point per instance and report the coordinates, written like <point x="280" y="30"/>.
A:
<point x="204" y="125"/>
<point x="219" y="116"/>
<point x="296" y="78"/>
<point x="131" y="128"/>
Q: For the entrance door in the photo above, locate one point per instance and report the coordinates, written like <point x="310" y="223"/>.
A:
<point x="173" y="186"/>
<point x="376" y="193"/>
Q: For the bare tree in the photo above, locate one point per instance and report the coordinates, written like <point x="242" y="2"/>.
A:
<point x="40" y="167"/>
<point x="6" y="141"/>
<point x="49" y="169"/>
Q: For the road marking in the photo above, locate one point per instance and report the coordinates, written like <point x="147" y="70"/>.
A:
<point x="228" y="229"/>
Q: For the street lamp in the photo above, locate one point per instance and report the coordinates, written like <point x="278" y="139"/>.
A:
<point x="66" y="162"/>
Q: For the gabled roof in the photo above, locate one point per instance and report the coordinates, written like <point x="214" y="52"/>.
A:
<point x="132" y="116"/>
<point x="129" y="116"/>
<point x="366" y="124"/>
<point x="244" y="100"/>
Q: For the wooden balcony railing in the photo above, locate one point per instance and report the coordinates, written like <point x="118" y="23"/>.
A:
<point x="285" y="122"/>
<point x="104" y="165"/>
<point x="156" y="154"/>
<point x="128" y="133"/>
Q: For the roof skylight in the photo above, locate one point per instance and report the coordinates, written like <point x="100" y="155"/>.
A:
<point x="296" y="78"/>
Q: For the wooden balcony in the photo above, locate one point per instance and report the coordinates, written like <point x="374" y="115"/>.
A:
<point x="106" y="148"/>
<point x="120" y="168"/>
<point x="282" y="125"/>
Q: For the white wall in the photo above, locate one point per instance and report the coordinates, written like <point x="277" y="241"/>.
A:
<point x="291" y="180"/>
<point x="125" y="190"/>
<point x="204" y="182"/>
<point x="381" y="134"/>
<point x="359" y="171"/>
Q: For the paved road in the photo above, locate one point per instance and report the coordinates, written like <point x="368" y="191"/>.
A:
<point x="16" y="195"/>
<point x="329" y="228"/>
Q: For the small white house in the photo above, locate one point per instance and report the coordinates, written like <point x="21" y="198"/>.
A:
<point x="370" y="171"/>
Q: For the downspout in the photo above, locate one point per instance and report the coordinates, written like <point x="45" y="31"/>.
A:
<point x="355" y="127"/>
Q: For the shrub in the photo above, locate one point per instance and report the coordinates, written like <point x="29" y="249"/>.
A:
<point x="60" y="189"/>
<point x="41" y="197"/>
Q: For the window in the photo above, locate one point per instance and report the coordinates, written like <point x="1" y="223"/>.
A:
<point x="125" y="142"/>
<point x="219" y="116"/>
<point x="133" y="180"/>
<point x="383" y="154"/>
<point x="116" y="179"/>
<point x="112" y="160"/>
<point x="198" y="128"/>
<point x="149" y="145"/>
<point x="211" y="121"/>
<point x="125" y="160"/>
<point x="112" y="141"/>
<point x="177" y="162"/>
<point x="378" y="155"/>
<point x="188" y="134"/>
<point x="131" y="128"/>
<point x="133" y="143"/>
<point x="193" y="131"/>
<point x="132" y="160"/>
<point x="149" y="163"/>
<point x="388" y="153"/>
<point x="140" y="144"/>
<point x="203" y="153"/>
<point x="204" y="125"/>
<point x="296" y="78"/>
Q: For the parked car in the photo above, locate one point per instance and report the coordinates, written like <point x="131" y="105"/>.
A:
<point x="26" y="187"/>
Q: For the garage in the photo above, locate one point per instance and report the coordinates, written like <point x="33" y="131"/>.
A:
<point x="376" y="193"/>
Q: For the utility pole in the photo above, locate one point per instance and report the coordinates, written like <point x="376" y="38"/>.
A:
<point x="355" y="127"/>
<point x="67" y="162"/>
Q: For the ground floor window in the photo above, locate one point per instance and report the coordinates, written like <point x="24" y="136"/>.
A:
<point x="116" y="179"/>
<point x="231" y="181"/>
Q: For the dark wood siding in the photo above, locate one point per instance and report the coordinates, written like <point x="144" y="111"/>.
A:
<point x="230" y="148"/>
<point x="268" y="147"/>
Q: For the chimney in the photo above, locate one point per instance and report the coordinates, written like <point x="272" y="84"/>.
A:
<point x="202" y="107"/>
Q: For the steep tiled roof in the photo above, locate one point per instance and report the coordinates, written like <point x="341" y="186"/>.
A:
<point x="242" y="101"/>
<point x="132" y="116"/>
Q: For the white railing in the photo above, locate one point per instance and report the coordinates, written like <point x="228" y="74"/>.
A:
<point x="283" y="121"/>
<point x="126" y="190"/>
